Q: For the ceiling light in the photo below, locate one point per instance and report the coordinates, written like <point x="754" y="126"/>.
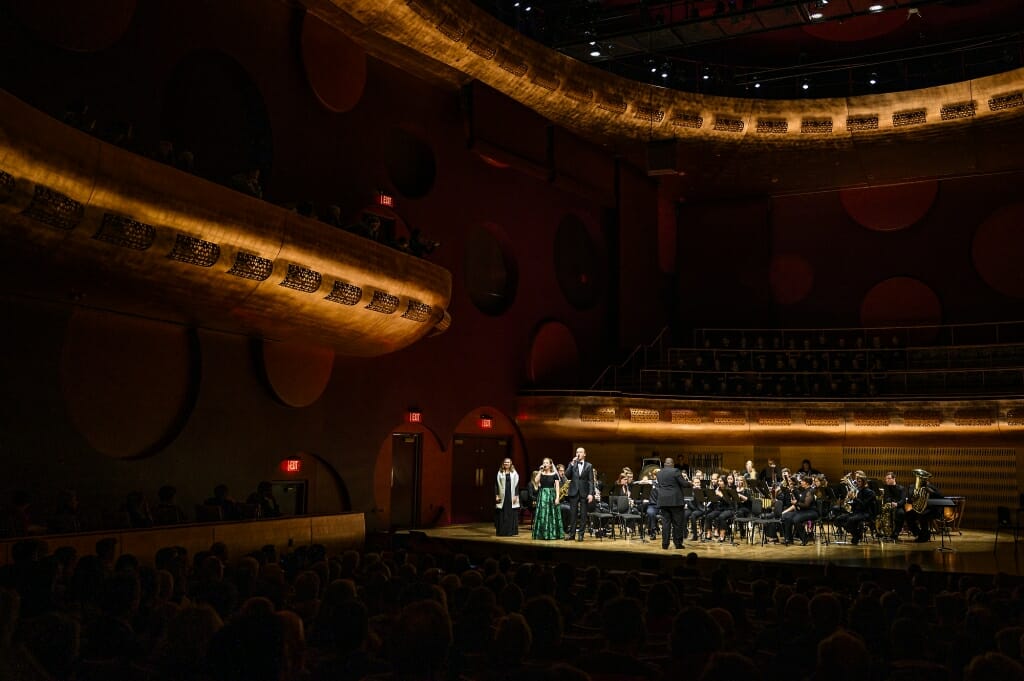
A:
<point x="595" y="52"/>
<point x="664" y="74"/>
<point x="757" y="85"/>
<point x="805" y="85"/>
<point x="875" y="8"/>
<point x="817" y="15"/>
<point x="873" y="79"/>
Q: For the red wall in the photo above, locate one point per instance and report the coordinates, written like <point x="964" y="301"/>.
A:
<point x="238" y="430"/>
<point x="813" y="260"/>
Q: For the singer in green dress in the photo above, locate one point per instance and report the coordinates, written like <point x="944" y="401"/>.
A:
<point x="547" y="521"/>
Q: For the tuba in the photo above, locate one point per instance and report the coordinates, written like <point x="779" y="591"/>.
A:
<point x="918" y="501"/>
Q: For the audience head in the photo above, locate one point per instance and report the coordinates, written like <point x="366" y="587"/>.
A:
<point x="992" y="666"/>
<point x="248" y="648"/>
<point x="424" y="631"/>
<point x="166" y="494"/>
<point x="695" y="632"/>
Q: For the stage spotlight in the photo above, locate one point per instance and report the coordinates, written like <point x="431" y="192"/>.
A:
<point x="805" y="84"/>
<point x="873" y="79"/>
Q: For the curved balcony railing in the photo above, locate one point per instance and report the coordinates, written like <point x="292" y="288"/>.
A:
<point x="87" y="221"/>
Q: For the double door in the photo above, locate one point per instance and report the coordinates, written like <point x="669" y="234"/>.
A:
<point x="475" y="462"/>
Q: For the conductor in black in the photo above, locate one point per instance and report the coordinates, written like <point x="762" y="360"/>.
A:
<point x="670" y="502"/>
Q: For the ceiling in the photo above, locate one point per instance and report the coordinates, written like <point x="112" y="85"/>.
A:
<point x="780" y="49"/>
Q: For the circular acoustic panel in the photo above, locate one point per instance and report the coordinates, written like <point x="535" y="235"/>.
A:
<point x="576" y="263"/>
<point x="554" y="359"/>
<point x="129" y="384"/>
<point x="490" y="271"/>
<point x="410" y="163"/>
<point x="296" y="373"/>
<point x="887" y="209"/>
<point x="77" y="25"/>
<point x="335" y="66"/>
<point x="791" y="279"/>
<point x="995" y="239"/>
<point x="900" y="301"/>
<point x="213" y="109"/>
<point x="857" y="29"/>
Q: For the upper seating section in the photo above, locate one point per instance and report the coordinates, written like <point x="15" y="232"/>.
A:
<point x="937" y="361"/>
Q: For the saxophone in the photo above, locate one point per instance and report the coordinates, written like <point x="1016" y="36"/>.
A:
<point x="884" y="521"/>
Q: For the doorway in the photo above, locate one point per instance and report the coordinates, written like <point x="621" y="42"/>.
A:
<point x="475" y="462"/>
<point x="290" y="495"/>
<point x="406" y="456"/>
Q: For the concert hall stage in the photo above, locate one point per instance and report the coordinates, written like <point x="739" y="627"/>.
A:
<point x="969" y="553"/>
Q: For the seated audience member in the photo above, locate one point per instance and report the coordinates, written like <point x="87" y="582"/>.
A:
<point x="66" y="519"/>
<point x="138" y="510"/>
<point x="264" y="499"/>
<point x="106" y="553"/>
<point x="221" y="499"/>
<point x="166" y="511"/>
<point x="251" y="647"/>
<point x="181" y="652"/>
<point x="18" y="520"/>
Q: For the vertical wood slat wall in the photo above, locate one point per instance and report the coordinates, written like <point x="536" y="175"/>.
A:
<point x="986" y="477"/>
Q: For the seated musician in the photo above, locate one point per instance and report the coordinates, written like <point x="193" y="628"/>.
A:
<point x="564" y="503"/>
<point x="783" y="500"/>
<point x="651" y="511"/>
<point x="528" y="497"/>
<point x="694" y="508"/>
<point x="893" y="498"/>
<point x="726" y="512"/>
<point x="919" y="524"/>
<point x="744" y="508"/>
<point x="712" y="507"/>
<point x="803" y="509"/>
<point x="862" y="508"/>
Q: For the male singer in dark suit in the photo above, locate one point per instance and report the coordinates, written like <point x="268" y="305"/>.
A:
<point x="670" y="502"/>
<point x="580" y="475"/>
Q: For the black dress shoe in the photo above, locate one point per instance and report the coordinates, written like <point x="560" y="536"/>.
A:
<point x="921" y="538"/>
<point x="579" y="538"/>
<point x="665" y="546"/>
<point x="680" y="546"/>
<point x="805" y="542"/>
<point x="855" y="540"/>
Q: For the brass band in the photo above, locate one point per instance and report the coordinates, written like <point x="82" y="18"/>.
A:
<point x="721" y="506"/>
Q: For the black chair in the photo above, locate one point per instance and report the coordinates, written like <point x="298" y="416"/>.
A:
<point x="1007" y="520"/>
<point x="602" y="521"/>
<point x="627" y="518"/>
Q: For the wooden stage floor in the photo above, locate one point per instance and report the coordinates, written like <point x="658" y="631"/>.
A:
<point x="969" y="553"/>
